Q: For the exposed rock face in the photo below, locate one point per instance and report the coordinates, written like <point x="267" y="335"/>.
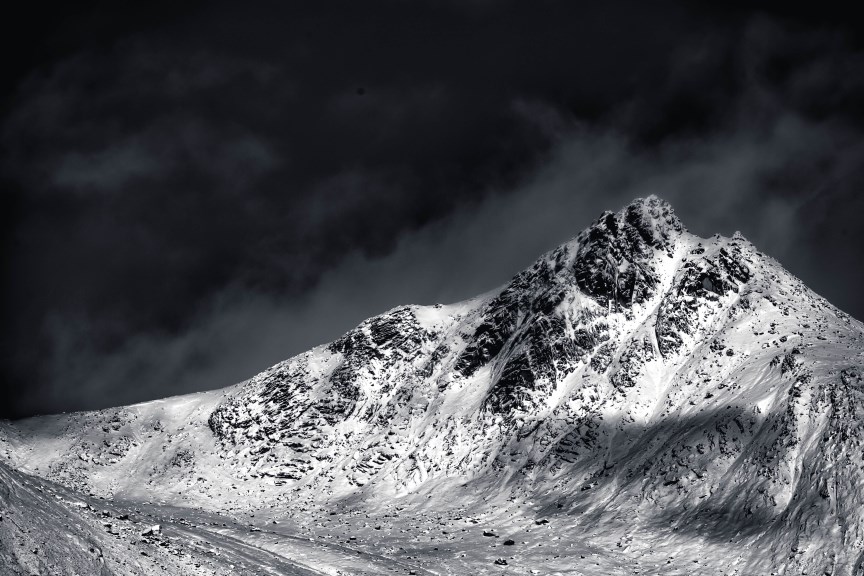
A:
<point x="636" y="354"/>
<point x="295" y="408"/>
<point x="703" y="285"/>
<point x="614" y="261"/>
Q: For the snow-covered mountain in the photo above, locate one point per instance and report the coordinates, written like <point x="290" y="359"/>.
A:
<point x="640" y="399"/>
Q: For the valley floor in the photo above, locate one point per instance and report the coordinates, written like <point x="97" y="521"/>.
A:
<point x="48" y="529"/>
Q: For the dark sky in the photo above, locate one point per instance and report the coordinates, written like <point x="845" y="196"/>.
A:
<point x="194" y="191"/>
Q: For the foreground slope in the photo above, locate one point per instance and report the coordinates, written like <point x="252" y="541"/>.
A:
<point x="659" y="398"/>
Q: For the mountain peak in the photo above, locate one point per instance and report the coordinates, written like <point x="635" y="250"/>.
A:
<point x="614" y="260"/>
<point x="651" y="217"/>
<point x="655" y="210"/>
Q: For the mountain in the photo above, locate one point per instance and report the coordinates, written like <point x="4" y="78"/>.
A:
<point x="639" y="400"/>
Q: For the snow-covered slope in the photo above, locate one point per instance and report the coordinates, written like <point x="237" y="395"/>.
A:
<point x="665" y="401"/>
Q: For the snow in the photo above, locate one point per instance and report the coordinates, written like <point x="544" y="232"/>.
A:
<point x="691" y="407"/>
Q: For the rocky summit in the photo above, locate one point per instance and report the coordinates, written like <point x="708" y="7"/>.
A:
<point x="639" y="400"/>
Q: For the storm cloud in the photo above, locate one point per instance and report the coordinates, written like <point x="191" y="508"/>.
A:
<point x="192" y="201"/>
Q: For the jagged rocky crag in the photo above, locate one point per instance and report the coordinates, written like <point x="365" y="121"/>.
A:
<point x="637" y="379"/>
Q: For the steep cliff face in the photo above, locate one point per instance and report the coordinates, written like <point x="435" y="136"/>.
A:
<point x="636" y="377"/>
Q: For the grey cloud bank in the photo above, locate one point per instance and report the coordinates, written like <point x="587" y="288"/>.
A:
<point x="183" y="214"/>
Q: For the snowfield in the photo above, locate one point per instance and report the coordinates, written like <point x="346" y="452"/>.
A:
<point x="639" y="401"/>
